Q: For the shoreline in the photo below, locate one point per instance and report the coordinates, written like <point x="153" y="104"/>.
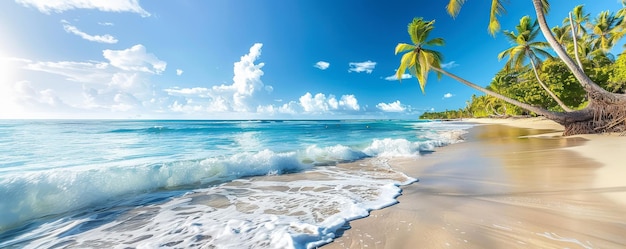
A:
<point x="505" y="187"/>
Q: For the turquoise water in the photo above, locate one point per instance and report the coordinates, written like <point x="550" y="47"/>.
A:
<point x="110" y="184"/>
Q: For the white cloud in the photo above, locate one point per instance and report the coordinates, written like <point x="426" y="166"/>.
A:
<point x="391" y="107"/>
<point x="322" y="104"/>
<point x="349" y="102"/>
<point x="366" y="66"/>
<point x="85" y="72"/>
<point x="449" y="65"/>
<point x="195" y="91"/>
<point x="95" y="38"/>
<point x="236" y="97"/>
<point x="322" y="65"/>
<point x="135" y="59"/>
<point x="448" y="95"/>
<point x="179" y="72"/>
<point x="91" y="86"/>
<point x="106" y="24"/>
<point x="37" y="100"/>
<point x="48" y="6"/>
<point x="288" y="108"/>
<point x="394" y="77"/>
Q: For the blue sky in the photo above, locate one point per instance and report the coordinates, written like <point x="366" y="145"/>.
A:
<point x="236" y="59"/>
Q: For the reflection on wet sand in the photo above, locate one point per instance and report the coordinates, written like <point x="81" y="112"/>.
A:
<point x="497" y="190"/>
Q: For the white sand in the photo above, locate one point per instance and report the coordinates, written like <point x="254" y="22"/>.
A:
<point x="498" y="190"/>
<point x="607" y="149"/>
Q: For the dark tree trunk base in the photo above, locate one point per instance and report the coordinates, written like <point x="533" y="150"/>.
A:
<point x="606" y="118"/>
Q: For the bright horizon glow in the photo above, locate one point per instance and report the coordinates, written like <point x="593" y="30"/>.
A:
<point x="129" y="59"/>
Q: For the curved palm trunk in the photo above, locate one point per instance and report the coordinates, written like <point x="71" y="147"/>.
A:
<point x="584" y="80"/>
<point x="559" y="117"/>
<point x="558" y="101"/>
<point x="606" y="111"/>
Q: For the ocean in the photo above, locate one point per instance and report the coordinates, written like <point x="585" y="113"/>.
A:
<point x="201" y="184"/>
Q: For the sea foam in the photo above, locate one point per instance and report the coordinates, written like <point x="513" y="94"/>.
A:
<point x="169" y="200"/>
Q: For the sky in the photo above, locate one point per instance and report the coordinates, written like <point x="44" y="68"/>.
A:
<point x="241" y="59"/>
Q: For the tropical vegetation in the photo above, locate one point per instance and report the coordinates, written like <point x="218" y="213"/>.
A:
<point x="570" y="78"/>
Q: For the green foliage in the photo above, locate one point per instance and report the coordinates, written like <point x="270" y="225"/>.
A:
<point x="453" y="114"/>
<point x="562" y="82"/>
<point x="517" y="80"/>
<point x="617" y="79"/>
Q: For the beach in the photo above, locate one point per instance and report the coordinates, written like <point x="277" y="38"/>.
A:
<point x="514" y="183"/>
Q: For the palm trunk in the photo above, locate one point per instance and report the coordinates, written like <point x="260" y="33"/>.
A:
<point x="584" y="80"/>
<point x="559" y="117"/>
<point x="558" y="101"/>
<point x="606" y="111"/>
<point x="575" y="38"/>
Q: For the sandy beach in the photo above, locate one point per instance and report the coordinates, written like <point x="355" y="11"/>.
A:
<point x="512" y="184"/>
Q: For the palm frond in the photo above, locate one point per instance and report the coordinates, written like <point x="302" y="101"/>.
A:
<point x="435" y="42"/>
<point x="497" y="9"/>
<point x="401" y="47"/>
<point x="423" y="67"/>
<point x="454" y="7"/>
<point x="405" y="63"/>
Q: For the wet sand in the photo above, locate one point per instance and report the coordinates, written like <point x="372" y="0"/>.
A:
<point x="505" y="187"/>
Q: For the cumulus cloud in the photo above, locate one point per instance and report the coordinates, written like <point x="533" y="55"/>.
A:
<point x="94" y="38"/>
<point x="179" y="72"/>
<point x="448" y="95"/>
<point x="322" y="65"/>
<point x="449" y="65"/>
<point x="288" y="108"/>
<point x="236" y="97"/>
<point x="394" y="77"/>
<point x="135" y="59"/>
<point x="322" y="104"/>
<point x="47" y="6"/>
<point x="366" y="66"/>
<point x="391" y="107"/>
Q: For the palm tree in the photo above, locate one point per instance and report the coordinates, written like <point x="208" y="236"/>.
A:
<point x="526" y="48"/>
<point x="577" y="20"/>
<point x="605" y="112"/>
<point x="606" y="30"/>
<point x="576" y="24"/>
<point x="419" y="60"/>
<point x="562" y="36"/>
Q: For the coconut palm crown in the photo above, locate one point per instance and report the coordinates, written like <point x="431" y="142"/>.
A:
<point x="525" y="46"/>
<point x="418" y="59"/>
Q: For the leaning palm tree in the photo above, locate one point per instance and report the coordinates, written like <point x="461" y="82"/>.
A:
<point x="605" y="112"/>
<point x="419" y="59"/>
<point x="525" y="47"/>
